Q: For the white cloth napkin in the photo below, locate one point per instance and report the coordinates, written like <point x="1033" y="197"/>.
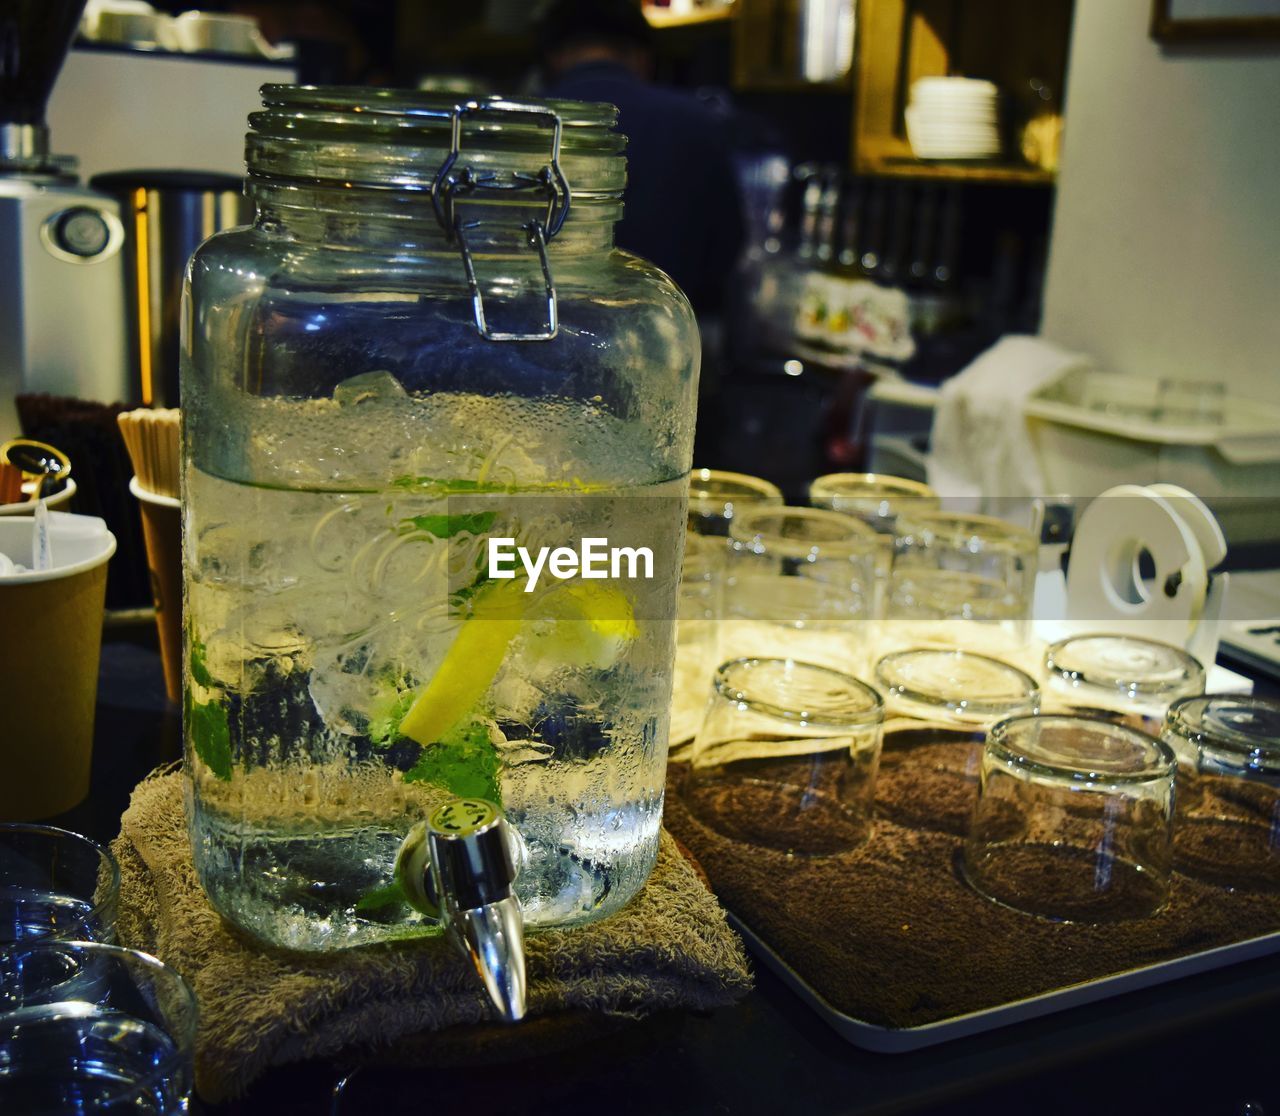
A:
<point x="979" y="448"/>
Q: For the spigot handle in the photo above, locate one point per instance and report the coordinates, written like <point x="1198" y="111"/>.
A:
<point x="469" y="852"/>
<point x="466" y="869"/>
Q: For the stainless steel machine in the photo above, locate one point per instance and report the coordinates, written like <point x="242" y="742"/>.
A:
<point x="63" y="326"/>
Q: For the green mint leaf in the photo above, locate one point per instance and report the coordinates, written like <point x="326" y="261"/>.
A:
<point x="446" y="526"/>
<point x="211" y="736"/>
<point x="464" y="763"/>
<point x="199" y="665"/>
<point x="463" y="595"/>
<point x="380" y="898"/>
<point x="384" y="729"/>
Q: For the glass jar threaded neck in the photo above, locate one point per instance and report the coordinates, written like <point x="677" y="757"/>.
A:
<point x="343" y="164"/>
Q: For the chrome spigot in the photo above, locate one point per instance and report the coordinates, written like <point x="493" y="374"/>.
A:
<point x="458" y="866"/>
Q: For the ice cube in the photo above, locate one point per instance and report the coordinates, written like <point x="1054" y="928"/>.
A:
<point x="369" y="387"/>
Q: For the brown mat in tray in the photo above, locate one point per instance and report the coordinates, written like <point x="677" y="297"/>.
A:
<point x="892" y="936"/>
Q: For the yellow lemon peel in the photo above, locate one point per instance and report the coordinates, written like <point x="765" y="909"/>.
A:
<point x="576" y="623"/>
<point x="472" y="662"/>
<point x="583" y="624"/>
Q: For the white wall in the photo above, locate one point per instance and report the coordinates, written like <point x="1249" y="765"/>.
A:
<point x="1165" y="257"/>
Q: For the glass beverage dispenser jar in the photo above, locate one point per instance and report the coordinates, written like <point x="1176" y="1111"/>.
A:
<point x="425" y="342"/>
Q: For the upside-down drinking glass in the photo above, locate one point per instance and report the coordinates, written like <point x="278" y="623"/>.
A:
<point x="961" y="580"/>
<point x="939" y="705"/>
<point x="1228" y="820"/>
<point x="787" y="756"/>
<point x="875" y="498"/>
<point x="1073" y="820"/>
<point x="1126" y="675"/>
<point x="801" y="584"/>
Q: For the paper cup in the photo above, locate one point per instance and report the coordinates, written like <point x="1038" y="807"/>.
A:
<point x="57" y="500"/>
<point x="50" y="642"/>
<point x="162" y="530"/>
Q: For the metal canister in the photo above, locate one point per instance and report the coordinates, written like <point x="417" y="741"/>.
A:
<point x="167" y="214"/>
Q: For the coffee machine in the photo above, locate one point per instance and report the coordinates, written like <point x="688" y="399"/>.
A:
<point x="62" y="301"/>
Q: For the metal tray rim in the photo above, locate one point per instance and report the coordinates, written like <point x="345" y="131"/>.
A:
<point x="899" y="1040"/>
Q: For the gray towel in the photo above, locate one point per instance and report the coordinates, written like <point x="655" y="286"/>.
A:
<point x="669" y="948"/>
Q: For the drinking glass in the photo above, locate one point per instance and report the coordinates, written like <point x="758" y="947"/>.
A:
<point x="786" y="757"/>
<point x="1228" y="813"/>
<point x="939" y="705"/>
<point x="1126" y="675"/>
<point x="87" y="1027"/>
<point x="697" y="625"/>
<point x="1073" y="820"/>
<point x="55" y="884"/>
<point x="801" y="584"/>
<point x="715" y="497"/>
<point x="961" y="580"/>
<point x="875" y="498"/>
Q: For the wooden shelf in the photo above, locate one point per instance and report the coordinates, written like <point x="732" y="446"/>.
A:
<point x="791" y="85"/>
<point x="660" y="19"/>
<point x="768" y="55"/>
<point x="1009" y="42"/>
<point x="908" y="166"/>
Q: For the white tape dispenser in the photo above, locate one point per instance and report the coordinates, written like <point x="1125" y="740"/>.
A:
<point x="1141" y="564"/>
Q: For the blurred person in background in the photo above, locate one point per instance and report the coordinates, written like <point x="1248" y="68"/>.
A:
<point x="683" y="211"/>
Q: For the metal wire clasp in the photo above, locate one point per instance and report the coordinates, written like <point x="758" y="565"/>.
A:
<point x="454" y="181"/>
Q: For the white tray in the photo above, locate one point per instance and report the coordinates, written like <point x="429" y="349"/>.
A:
<point x="899" y="1040"/>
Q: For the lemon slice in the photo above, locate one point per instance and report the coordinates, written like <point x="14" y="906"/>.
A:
<point x="469" y="667"/>
<point x="582" y="624"/>
<point x="576" y="624"/>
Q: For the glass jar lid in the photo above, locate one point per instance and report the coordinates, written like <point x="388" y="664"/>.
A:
<point x="1110" y="668"/>
<point x="958" y="686"/>
<point x="1233" y="732"/>
<point x="1080" y="748"/>
<point x="803" y="693"/>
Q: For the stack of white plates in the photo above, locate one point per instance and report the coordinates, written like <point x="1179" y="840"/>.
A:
<point x="953" y="118"/>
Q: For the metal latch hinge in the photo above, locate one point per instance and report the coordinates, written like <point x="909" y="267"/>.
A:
<point x="454" y="181"/>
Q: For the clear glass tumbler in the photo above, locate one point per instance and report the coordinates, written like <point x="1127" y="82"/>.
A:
<point x="1138" y="678"/>
<point x="961" y="581"/>
<point x="55" y="884"/>
<point x="938" y="707"/>
<point x="1073" y="820"/>
<point x="801" y="584"/>
<point x="1228" y="817"/>
<point x="715" y="497"/>
<point x="787" y="757"/>
<point x="86" y="1027"/>
<point x="697" y="629"/>
<point x="875" y="498"/>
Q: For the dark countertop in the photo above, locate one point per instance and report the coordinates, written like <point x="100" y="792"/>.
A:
<point x="1203" y="1045"/>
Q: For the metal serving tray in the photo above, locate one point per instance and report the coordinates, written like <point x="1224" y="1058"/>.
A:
<point x="899" y="1040"/>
